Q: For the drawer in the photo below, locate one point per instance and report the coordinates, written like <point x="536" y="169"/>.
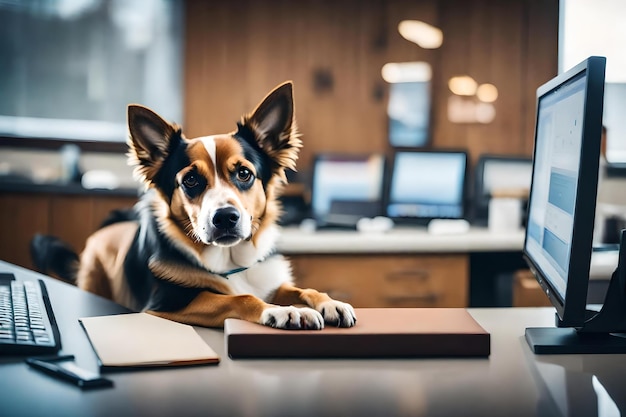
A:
<point x="387" y="280"/>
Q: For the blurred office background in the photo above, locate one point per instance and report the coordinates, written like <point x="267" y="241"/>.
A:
<point x="372" y="78"/>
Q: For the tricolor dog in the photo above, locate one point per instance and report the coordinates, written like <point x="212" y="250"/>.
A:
<point x="203" y="246"/>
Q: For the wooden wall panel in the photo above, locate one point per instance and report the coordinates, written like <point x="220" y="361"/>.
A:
<point x="542" y="64"/>
<point x="454" y="61"/>
<point x="72" y="218"/>
<point x="21" y="217"/>
<point x="75" y="218"/>
<point x="237" y="51"/>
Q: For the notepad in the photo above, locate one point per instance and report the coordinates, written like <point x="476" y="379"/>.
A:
<point x="378" y="333"/>
<point x="143" y="340"/>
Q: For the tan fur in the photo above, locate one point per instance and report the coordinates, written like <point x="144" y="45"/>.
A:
<point x="210" y="310"/>
<point x="102" y="262"/>
<point x="187" y="277"/>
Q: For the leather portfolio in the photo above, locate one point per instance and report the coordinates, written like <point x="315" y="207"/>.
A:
<point x="378" y="333"/>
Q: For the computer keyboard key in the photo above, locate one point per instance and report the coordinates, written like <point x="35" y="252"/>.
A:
<point x="27" y="322"/>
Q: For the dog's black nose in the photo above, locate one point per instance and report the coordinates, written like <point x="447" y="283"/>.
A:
<point x="226" y="218"/>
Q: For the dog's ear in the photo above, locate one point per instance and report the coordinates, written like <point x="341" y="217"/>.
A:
<point x="150" y="140"/>
<point x="274" y="128"/>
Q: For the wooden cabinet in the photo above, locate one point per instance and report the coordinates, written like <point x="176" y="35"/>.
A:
<point x="527" y="292"/>
<point x="70" y="217"/>
<point x="21" y="216"/>
<point x="387" y="280"/>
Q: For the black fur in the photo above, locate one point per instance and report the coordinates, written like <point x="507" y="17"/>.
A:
<point x="253" y="153"/>
<point x="199" y="186"/>
<point x="165" y="178"/>
<point x="118" y="216"/>
<point x="150" y="292"/>
<point x="52" y="256"/>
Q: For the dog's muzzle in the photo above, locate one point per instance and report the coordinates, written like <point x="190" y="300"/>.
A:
<point x="226" y="226"/>
<point x="226" y="218"/>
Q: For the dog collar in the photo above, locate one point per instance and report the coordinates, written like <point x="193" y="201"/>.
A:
<point x="227" y="274"/>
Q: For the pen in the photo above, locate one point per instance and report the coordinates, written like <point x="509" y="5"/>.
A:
<point x="68" y="371"/>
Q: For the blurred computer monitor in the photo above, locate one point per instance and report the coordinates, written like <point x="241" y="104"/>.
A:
<point x="496" y="174"/>
<point x="346" y="188"/>
<point x="425" y="185"/>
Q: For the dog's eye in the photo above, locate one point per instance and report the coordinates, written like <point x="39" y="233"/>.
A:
<point x="244" y="174"/>
<point x="193" y="184"/>
<point x="190" y="180"/>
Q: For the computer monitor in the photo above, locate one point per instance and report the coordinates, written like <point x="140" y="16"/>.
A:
<point x="425" y="185"/>
<point x="496" y="174"/>
<point x="559" y="232"/>
<point x="346" y="187"/>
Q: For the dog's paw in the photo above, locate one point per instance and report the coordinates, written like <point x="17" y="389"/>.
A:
<point x="337" y="313"/>
<point x="293" y="318"/>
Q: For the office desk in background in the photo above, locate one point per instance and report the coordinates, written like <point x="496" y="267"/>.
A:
<point x="406" y="267"/>
<point x="511" y="382"/>
<point x="409" y="267"/>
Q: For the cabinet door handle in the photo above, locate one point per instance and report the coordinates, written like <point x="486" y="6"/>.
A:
<point x="409" y="274"/>
<point x="429" y="297"/>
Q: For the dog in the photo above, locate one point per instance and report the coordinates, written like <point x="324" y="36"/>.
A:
<point x="199" y="246"/>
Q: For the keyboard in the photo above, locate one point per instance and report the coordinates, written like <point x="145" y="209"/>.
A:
<point x="27" y="323"/>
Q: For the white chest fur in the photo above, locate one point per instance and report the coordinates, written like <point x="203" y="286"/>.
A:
<point x="264" y="273"/>
<point x="262" y="279"/>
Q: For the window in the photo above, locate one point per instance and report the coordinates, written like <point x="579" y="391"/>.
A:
<point x="70" y="67"/>
<point x="596" y="28"/>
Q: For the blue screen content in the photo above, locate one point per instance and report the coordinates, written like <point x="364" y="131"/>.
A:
<point x="427" y="185"/>
<point x="553" y="196"/>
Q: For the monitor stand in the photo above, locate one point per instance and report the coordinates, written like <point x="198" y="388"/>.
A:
<point x="603" y="332"/>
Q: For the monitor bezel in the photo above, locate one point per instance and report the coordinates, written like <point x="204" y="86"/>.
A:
<point x="347" y="157"/>
<point x="571" y="309"/>
<point x="390" y="178"/>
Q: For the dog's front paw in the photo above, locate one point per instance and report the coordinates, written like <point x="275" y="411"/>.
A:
<point x="294" y="318"/>
<point x="337" y="313"/>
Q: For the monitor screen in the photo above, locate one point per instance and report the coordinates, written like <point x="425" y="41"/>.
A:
<point x="502" y="173"/>
<point x="345" y="178"/>
<point x="427" y="185"/>
<point x="561" y="208"/>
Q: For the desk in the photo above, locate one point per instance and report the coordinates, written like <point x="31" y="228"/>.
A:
<point x="417" y="269"/>
<point x="398" y="240"/>
<point x="406" y="266"/>
<point x="511" y="382"/>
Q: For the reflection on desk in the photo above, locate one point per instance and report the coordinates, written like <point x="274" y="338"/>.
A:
<point x="569" y="385"/>
<point x="511" y="382"/>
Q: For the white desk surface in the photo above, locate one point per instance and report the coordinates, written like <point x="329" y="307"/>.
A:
<point x="511" y="382"/>
<point x="400" y="239"/>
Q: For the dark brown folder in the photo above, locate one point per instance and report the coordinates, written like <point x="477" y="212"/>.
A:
<point x="379" y="333"/>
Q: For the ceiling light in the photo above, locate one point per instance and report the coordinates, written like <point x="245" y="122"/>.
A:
<point x="487" y="93"/>
<point x="405" y="72"/>
<point x="423" y="34"/>
<point x="463" y="85"/>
